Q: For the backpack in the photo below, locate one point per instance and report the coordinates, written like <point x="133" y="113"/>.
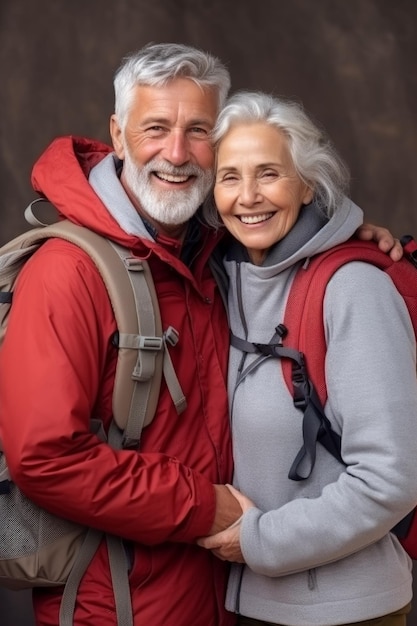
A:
<point x="299" y="342"/>
<point x="36" y="547"/>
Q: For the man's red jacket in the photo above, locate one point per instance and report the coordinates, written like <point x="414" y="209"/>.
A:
<point x="57" y="369"/>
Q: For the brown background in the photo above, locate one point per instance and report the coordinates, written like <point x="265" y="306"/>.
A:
<point x="352" y="64"/>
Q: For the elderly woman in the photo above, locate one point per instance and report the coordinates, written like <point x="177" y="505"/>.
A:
<point x="319" y="551"/>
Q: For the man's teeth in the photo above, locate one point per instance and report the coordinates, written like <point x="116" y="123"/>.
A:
<point x="170" y="178"/>
<point x="255" y="219"/>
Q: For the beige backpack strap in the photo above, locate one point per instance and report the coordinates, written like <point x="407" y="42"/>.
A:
<point x="171" y="337"/>
<point x="120" y="580"/>
<point x="117" y="558"/>
<point x="150" y="346"/>
<point x="118" y="561"/>
<point x="119" y="574"/>
<point x="49" y="212"/>
<point x="85" y="555"/>
<point x="139" y="361"/>
<point x="142" y="345"/>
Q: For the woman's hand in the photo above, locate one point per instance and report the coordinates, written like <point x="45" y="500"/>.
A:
<point x="386" y="242"/>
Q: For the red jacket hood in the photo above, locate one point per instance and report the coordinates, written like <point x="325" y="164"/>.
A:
<point x="61" y="175"/>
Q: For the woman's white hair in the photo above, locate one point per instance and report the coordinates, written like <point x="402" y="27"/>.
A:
<point x="314" y="157"/>
<point x="157" y="64"/>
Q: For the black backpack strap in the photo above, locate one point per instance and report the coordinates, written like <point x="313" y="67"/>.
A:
<point x="316" y="426"/>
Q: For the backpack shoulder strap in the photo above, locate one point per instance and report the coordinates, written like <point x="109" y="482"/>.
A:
<point x="304" y="310"/>
<point x="142" y="354"/>
<point x="132" y="294"/>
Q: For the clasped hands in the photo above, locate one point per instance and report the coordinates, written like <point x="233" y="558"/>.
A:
<point x="225" y="543"/>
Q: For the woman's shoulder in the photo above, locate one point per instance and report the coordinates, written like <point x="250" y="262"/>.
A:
<point x="361" y="291"/>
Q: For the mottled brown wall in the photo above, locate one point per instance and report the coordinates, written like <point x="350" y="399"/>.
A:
<point x="352" y="63"/>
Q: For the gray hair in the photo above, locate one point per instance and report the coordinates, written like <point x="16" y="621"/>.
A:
<point x="314" y="157"/>
<point x="156" y="64"/>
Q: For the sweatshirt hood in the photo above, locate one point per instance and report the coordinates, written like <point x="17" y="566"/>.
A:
<point x="341" y="226"/>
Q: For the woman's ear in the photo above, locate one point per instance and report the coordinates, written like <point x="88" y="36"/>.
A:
<point x="308" y="195"/>
<point x="116" y="135"/>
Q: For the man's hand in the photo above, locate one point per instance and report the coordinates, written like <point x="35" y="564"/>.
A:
<point x="386" y="242"/>
<point x="226" y="544"/>
<point x="228" y="509"/>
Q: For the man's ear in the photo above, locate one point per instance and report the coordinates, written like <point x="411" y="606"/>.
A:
<point x="117" y="137"/>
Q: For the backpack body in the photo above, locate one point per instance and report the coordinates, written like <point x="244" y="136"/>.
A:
<point x="304" y="338"/>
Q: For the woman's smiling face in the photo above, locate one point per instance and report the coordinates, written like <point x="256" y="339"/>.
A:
<point x="257" y="191"/>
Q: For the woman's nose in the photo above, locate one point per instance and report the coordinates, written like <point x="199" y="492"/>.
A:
<point x="249" y="192"/>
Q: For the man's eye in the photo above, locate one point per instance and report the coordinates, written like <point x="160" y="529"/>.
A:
<point x="197" y="130"/>
<point x="155" y="130"/>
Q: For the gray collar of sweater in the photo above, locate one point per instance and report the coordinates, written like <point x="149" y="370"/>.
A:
<point x="104" y="179"/>
<point x="312" y="233"/>
<point x="309" y="222"/>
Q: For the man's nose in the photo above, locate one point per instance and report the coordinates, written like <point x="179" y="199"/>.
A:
<point x="176" y="148"/>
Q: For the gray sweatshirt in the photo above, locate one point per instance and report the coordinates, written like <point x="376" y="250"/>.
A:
<point x="319" y="552"/>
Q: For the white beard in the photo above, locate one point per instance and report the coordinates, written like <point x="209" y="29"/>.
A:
<point x="167" y="207"/>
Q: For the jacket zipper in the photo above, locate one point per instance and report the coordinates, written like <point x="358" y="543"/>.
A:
<point x="239" y="588"/>
<point x="241" y="312"/>
<point x="312" y="579"/>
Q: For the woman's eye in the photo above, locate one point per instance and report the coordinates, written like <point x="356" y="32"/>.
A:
<point x="269" y="174"/>
<point x="229" y="178"/>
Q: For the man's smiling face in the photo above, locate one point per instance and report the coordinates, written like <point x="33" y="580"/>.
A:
<point x="166" y="149"/>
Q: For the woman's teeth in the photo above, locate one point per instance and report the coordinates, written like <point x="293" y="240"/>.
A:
<point x="255" y="219"/>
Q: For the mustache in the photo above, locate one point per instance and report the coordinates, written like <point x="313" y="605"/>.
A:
<point x="165" y="167"/>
